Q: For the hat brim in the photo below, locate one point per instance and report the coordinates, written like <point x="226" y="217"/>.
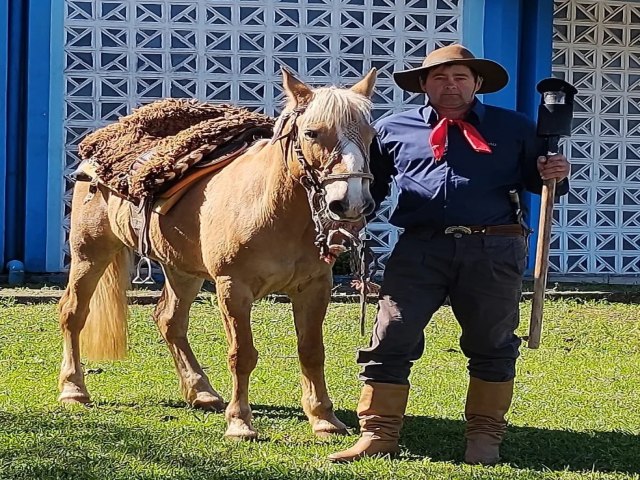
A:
<point x="494" y="76"/>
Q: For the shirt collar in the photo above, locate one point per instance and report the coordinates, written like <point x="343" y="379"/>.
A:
<point x="475" y="115"/>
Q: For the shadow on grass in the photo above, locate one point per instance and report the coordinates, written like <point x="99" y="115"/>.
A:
<point x="57" y="445"/>
<point x="524" y="447"/>
<point x="54" y="447"/>
<point x="528" y="447"/>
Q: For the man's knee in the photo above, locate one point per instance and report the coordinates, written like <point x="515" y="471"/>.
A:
<point x="491" y="360"/>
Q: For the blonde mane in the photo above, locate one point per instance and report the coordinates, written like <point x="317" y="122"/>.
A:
<point x="337" y="107"/>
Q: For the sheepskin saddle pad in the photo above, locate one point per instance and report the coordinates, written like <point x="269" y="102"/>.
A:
<point x="146" y="152"/>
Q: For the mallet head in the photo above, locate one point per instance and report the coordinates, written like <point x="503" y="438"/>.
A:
<point x="555" y="113"/>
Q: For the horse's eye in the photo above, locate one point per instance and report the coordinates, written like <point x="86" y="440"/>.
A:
<point x="311" y="134"/>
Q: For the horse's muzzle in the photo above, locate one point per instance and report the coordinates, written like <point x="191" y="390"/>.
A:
<point x="340" y="210"/>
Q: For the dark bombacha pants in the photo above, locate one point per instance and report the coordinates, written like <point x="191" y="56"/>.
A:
<point x="481" y="275"/>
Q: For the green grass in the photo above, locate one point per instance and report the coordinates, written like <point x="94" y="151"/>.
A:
<point x="576" y="412"/>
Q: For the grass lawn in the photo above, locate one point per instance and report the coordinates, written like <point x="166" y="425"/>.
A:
<point x="576" y="410"/>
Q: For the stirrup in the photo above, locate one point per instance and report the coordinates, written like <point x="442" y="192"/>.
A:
<point x="148" y="280"/>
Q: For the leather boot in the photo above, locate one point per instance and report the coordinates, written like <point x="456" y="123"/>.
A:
<point x="381" y="411"/>
<point x="487" y="404"/>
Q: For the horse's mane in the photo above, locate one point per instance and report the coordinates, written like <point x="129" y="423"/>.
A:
<point x="336" y="107"/>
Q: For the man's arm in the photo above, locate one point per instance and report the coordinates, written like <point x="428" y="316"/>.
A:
<point x="382" y="168"/>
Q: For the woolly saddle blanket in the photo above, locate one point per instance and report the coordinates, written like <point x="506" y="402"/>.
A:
<point x="148" y="151"/>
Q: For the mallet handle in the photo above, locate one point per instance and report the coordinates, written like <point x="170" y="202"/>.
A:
<point x="542" y="262"/>
<point x="542" y="254"/>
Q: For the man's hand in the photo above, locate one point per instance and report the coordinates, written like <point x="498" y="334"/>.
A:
<point x="555" y="166"/>
<point x="372" y="288"/>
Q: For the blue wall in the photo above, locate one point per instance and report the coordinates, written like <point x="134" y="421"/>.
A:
<point x="14" y="160"/>
<point x="4" y="41"/>
<point x="37" y="136"/>
<point x="501" y="39"/>
<point x="31" y="43"/>
<point x="518" y="34"/>
<point x="44" y="173"/>
<point x="536" y="53"/>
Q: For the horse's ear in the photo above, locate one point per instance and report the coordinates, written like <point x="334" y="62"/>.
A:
<point x="365" y="86"/>
<point x="297" y="91"/>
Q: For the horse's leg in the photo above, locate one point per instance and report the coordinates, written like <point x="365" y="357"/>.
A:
<point x="235" y="299"/>
<point x="309" y="309"/>
<point x="172" y="317"/>
<point x="93" y="246"/>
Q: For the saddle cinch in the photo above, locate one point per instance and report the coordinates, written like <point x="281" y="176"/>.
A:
<point x="152" y="156"/>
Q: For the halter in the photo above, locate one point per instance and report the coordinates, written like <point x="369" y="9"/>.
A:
<point x="314" y="179"/>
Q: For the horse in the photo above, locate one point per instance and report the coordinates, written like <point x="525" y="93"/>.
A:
<point x="251" y="229"/>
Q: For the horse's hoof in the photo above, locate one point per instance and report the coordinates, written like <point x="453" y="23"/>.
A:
<point x="326" y="429"/>
<point x="242" y="433"/>
<point x="241" y="438"/>
<point x="330" y="433"/>
<point x="207" y="401"/>
<point x="74" y="398"/>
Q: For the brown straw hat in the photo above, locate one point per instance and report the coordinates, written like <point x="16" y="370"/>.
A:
<point x="493" y="74"/>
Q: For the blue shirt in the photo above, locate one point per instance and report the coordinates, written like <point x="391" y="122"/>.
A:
<point x="465" y="187"/>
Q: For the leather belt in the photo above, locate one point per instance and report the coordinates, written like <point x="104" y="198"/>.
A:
<point x="512" y="230"/>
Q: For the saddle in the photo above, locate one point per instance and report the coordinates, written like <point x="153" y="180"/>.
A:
<point x="152" y="156"/>
<point x="147" y="153"/>
<point x="201" y="166"/>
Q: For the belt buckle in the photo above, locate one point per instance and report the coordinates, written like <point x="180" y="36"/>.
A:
<point x="457" y="231"/>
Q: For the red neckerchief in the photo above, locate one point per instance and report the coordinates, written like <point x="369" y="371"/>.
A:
<point x="438" y="137"/>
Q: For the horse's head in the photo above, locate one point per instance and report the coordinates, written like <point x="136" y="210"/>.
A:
<point x="331" y="134"/>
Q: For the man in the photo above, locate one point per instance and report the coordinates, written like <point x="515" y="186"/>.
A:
<point x="454" y="162"/>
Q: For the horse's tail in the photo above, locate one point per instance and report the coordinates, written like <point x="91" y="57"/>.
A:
<point x="104" y="336"/>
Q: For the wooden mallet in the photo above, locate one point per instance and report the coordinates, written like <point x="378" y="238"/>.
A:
<point x="555" y="115"/>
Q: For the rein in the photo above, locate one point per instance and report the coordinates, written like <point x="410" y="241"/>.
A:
<point x="313" y="180"/>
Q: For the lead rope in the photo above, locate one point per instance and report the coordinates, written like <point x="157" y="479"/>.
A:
<point x="360" y="257"/>
<point x="315" y="195"/>
<point x="364" y="256"/>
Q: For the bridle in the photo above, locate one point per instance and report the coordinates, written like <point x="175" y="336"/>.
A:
<point x="314" y="179"/>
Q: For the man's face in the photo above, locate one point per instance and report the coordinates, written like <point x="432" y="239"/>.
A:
<point x="451" y="86"/>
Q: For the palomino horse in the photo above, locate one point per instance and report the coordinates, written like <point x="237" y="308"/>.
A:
<point x="248" y="228"/>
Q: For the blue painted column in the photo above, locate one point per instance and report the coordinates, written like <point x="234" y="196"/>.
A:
<point x="43" y="205"/>
<point x="473" y="26"/>
<point x="501" y="40"/>
<point x="14" y="180"/>
<point x="4" y="42"/>
<point x="518" y="35"/>
<point x="536" y="63"/>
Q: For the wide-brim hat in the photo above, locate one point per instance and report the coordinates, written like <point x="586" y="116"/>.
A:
<point x="494" y="76"/>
